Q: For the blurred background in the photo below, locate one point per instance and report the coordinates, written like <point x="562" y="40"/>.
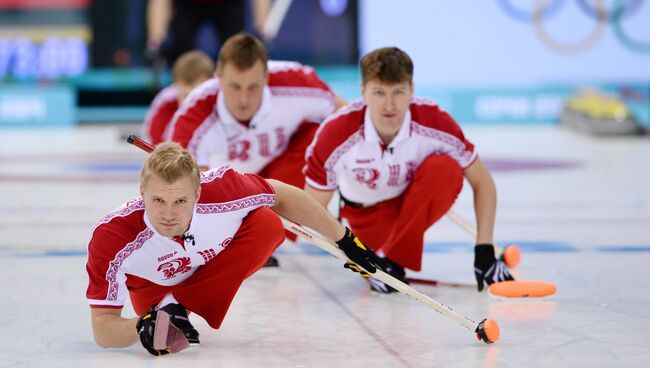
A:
<point x="70" y="62"/>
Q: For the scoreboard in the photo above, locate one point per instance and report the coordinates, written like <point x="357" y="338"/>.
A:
<point x="43" y="39"/>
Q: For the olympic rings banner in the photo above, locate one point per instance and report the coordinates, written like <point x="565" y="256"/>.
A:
<point x="597" y="11"/>
<point x="502" y="55"/>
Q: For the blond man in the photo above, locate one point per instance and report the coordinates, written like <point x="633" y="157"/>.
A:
<point x="187" y="244"/>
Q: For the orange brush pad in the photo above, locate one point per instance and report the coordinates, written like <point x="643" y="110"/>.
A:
<point x="522" y="289"/>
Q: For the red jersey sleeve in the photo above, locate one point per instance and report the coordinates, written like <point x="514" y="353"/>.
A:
<point x="438" y="124"/>
<point x="331" y="141"/>
<point x="101" y="252"/>
<point x="160" y="114"/>
<point x="193" y="112"/>
<point x="106" y="277"/>
<point x="293" y="74"/>
<point x="225" y="184"/>
<point x="294" y="79"/>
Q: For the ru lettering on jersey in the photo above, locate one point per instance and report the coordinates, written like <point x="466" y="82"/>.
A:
<point x="397" y="174"/>
<point x="265" y="145"/>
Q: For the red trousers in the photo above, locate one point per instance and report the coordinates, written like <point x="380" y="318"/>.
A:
<point x="396" y="226"/>
<point x="288" y="166"/>
<point x="211" y="289"/>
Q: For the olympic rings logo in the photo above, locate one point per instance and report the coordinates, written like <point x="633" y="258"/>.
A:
<point x="595" y="9"/>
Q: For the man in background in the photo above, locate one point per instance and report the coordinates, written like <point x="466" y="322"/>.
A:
<point x="190" y="70"/>
<point x="399" y="162"/>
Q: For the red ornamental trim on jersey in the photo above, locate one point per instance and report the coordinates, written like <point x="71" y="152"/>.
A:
<point x="424" y="101"/>
<point x="336" y="155"/>
<point x="443" y="137"/>
<point x="130" y="207"/>
<point x="302" y="92"/>
<point x="175" y="267"/>
<point x="214" y="174"/>
<point x="198" y="134"/>
<point x="203" y="91"/>
<point x="116" y="263"/>
<point x="351" y="107"/>
<point x="278" y="66"/>
<point x="252" y="201"/>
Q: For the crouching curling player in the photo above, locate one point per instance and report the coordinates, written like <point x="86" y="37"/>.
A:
<point x="187" y="244"/>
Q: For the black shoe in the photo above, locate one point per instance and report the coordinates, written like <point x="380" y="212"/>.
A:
<point x="392" y="269"/>
<point x="178" y="317"/>
<point x="272" y="262"/>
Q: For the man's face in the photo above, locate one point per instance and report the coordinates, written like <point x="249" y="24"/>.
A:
<point x="388" y="104"/>
<point x="170" y="206"/>
<point x="242" y="89"/>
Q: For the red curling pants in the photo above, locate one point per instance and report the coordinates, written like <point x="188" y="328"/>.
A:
<point x="288" y="166"/>
<point x="396" y="226"/>
<point x="211" y="289"/>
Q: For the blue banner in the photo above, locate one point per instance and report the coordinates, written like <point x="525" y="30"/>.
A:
<point x="36" y="106"/>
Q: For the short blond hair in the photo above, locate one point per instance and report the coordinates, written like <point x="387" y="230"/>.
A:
<point x="242" y="50"/>
<point x="388" y="65"/>
<point x="193" y="67"/>
<point x="170" y="162"/>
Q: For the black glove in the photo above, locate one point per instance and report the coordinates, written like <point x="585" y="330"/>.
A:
<point x="487" y="268"/>
<point x="146" y="327"/>
<point x="353" y="267"/>
<point x="360" y="254"/>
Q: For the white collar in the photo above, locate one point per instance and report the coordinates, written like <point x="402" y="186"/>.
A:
<point x="370" y="133"/>
<point x="265" y="107"/>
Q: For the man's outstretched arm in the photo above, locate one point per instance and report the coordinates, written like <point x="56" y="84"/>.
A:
<point x="298" y="206"/>
<point x="111" y="330"/>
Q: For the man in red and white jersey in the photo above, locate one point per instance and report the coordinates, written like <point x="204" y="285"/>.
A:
<point x="398" y="163"/>
<point x="190" y="70"/>
<point x="187" y="244"/>
<point x="258" y="116"/>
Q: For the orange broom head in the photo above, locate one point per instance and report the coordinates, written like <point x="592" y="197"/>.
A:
<point x="522" y="289"/>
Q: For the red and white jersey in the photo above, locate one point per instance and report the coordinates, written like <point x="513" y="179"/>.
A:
<point x="205" y="127"/>
<point x="124" y="243"/>
<point x="160" y="114"/>
<point x="347" y="152"/>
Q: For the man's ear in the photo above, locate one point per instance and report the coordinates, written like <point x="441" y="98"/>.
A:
<point x="218" y="71"/>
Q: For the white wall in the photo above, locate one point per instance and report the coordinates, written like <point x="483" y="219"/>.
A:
<point x="476" y="43"/>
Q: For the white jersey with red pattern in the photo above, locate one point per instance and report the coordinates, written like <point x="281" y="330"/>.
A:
<point x="347" y="153"/>
<point x="159" y="115"/>
<point x="124" y="243"/>
<point x="205" y="127"/>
